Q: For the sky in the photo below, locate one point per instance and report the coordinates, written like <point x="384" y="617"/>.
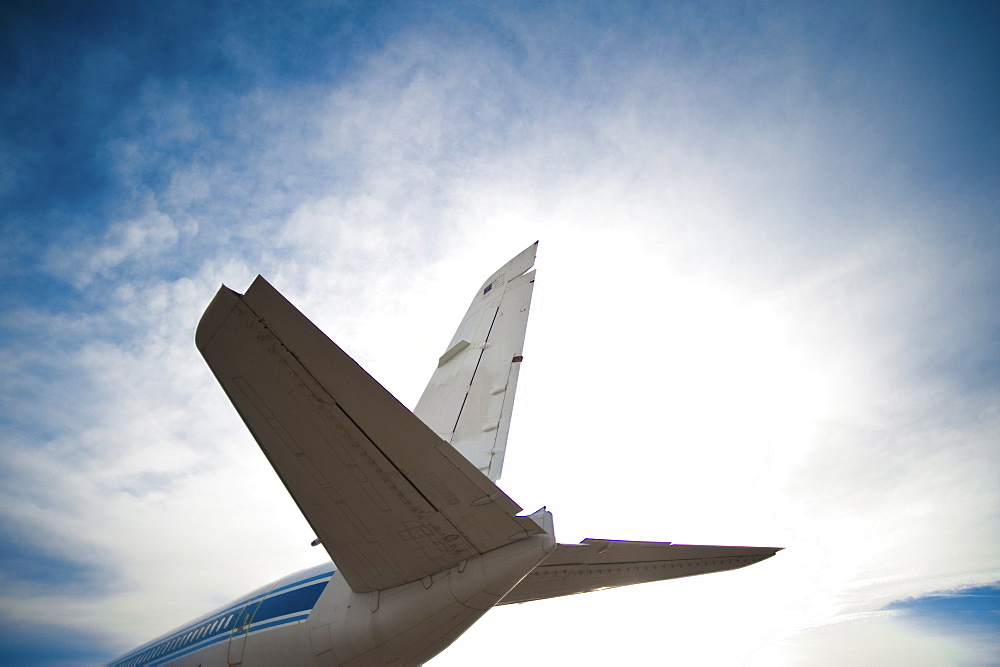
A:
<point x="767" y="308"/>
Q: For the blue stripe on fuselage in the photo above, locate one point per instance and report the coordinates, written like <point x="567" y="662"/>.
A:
<point x="283" y="604"/>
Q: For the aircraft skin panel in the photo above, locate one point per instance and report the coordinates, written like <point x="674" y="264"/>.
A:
<point x="390" y="501"/>
<point x="469" y="399"/>
<point x="597" y="564"/>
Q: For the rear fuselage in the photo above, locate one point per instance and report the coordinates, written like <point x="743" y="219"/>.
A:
<point x="313" y="617"/>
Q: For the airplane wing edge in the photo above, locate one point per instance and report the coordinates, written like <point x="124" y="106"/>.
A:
<point x="596" y="565"/>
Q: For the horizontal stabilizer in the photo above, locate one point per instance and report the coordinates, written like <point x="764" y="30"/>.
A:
<point x="597" y="564"/>
<point x="390" y="501"/>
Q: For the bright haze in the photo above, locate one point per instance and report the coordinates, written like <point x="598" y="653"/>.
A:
<point x="767" y="309"/>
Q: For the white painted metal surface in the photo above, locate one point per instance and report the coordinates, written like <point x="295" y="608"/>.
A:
<point x="470" y="397"/>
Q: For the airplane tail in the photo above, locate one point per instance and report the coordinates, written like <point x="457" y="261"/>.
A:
<point x="405" y="503"/>
<point x="470" y="397"/>
<point x="389" y="500"/>
<point x="395" y="496"/>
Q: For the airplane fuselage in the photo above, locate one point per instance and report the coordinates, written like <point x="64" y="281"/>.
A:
<point x="312" y="617"/>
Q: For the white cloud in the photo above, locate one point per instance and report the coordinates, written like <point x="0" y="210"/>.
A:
<point x="876" y="638"/>
<point x="143" y="239"/>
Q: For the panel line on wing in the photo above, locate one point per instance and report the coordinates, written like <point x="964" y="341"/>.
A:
<point x="486" y="342"/>
<point x="472" y="380"/>
<point x="465" y="398"/>
<point x="387" y="459"/>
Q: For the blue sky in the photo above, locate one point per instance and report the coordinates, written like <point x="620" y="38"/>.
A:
<point x="778" y="226"/>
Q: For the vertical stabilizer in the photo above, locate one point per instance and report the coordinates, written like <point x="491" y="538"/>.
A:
<point x="470" y="397"/>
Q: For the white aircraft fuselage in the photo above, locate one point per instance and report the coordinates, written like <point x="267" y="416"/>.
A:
<point x="312" y="617"/>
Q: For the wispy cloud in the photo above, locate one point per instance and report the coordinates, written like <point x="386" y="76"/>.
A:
<point x="143" y="240"/>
